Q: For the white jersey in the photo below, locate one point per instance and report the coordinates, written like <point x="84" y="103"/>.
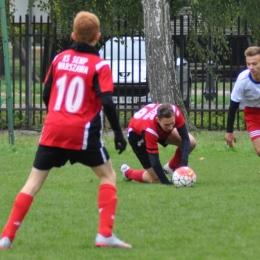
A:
<point x="246" y="91"/>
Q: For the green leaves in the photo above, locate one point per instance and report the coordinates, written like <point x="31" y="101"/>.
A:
<point x="211" y="16"/>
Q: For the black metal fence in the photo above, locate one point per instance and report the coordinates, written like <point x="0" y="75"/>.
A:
<point x="34" y="45"/>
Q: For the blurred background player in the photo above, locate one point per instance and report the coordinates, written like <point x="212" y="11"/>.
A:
<point x="153" y="124"/>
<point x="246" y="92"/>
<point x="77" y="85"/>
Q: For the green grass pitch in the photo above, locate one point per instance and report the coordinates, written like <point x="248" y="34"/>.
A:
<point x="217" y="219"/>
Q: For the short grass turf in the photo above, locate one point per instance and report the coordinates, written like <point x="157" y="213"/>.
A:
<point x="218" y="218"/>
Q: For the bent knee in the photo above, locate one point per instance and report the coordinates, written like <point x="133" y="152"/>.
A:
<point x="257" y="152"/>
<point x="256" y="144"/>
<point x="192" y="144"/>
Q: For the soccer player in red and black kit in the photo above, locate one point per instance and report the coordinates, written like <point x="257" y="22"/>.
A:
<point x="77" y="86"/>
<point x="153" y="124"/>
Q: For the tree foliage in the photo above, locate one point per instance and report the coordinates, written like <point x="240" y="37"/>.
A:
<point x="209" y="20"/>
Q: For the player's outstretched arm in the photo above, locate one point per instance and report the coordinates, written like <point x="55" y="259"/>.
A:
<point x="185" y="145"/>
<point x="230" y="137"/>
<point x="155" y="163"/>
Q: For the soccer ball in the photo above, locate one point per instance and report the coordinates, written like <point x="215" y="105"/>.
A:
<point x="183" y="177"/>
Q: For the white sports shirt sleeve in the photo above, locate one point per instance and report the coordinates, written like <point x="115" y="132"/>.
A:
<point x="246" y="91"/>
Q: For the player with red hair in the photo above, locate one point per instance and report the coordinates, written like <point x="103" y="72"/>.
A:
<point x="78" y="85"/>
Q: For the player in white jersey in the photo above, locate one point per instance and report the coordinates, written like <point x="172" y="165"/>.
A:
<point x="246" y="92"/>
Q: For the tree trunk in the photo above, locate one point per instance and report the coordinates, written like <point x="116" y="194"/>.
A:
<point x="19" y="52"/>
<point x="159" y="56"/>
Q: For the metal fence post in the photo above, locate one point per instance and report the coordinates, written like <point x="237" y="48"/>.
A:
<point x="210" y="92"/>
<point x="7" y="73"/>
<point x="28" y="69"/>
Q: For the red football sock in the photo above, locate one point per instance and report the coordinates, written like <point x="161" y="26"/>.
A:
<point x="21" y="206"/>
<point x="175" y="159"/>
<point x="136" y="175"/>
<point x="107" y="201"/>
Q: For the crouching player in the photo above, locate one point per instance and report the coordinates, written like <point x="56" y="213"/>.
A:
<point x="153" y="124"/>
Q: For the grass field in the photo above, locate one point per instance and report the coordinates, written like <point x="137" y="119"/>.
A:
<point x="216" y="219"/>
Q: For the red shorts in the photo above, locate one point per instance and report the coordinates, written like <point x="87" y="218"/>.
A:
<point x="252" y="118"/>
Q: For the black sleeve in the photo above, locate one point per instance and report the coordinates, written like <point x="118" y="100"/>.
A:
<point x="110" y="110"/>
<point x="155" y="162"/>
<point x="231" y="115"/>
<point x="185" y="146"/>
<point x="47" y="90"/>
<point x="108" y="105"/>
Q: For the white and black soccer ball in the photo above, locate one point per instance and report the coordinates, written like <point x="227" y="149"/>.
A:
<point x="183" y="177"/>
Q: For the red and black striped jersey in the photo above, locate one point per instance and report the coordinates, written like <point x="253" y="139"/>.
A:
<point x="76" y="80"/>
<point x="144" y="123"/>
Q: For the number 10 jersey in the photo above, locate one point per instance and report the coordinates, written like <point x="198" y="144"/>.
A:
<point x="74" y="82"/>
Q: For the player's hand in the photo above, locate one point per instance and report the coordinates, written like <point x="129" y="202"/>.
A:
<point x="120" y="142"/>
<point x="230" y="137"/>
